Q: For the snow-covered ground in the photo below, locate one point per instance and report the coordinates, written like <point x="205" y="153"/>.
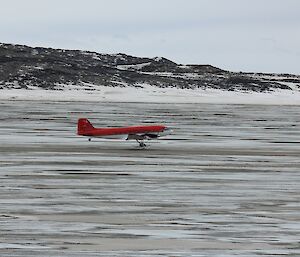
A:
<point x="225" y="183"/>
<point x="151" y="94"/>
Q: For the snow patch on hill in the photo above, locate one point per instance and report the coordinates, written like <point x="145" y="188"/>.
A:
<point x="133" y="66"/>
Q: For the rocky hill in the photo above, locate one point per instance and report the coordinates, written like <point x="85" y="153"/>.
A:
<point x="29" y="68"/>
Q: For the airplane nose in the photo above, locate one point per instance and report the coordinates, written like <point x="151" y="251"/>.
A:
<point x="167" y="131"/>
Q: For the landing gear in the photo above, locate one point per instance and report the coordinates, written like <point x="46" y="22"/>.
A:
<point x="141" y="143"/>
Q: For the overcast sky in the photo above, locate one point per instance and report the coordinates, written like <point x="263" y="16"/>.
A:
<point x="237" y="35"/>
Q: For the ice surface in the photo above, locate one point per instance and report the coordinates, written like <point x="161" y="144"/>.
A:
<point x="226" y="183"/>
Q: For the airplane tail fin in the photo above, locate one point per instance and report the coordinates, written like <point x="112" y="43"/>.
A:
<point x="83" y="126"/>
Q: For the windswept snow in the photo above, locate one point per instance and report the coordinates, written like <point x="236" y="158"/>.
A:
<point x="151" y="94"/>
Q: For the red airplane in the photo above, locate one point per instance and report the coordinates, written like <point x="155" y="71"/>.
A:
<point x="138" y="133"/>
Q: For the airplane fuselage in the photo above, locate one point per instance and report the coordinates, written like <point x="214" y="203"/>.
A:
<point x="139" y="133"/>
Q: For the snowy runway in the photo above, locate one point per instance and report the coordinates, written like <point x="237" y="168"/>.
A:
<point x="226" y="182"/>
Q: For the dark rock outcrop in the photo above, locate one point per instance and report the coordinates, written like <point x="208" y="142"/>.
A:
<point x="27" y="67"/>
